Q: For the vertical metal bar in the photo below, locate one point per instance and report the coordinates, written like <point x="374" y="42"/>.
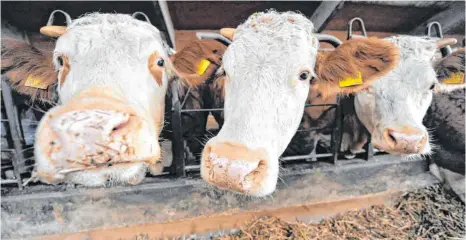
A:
<point x="369" y="150"/>
<point x="168" y="21"/>
<point x="178" y="164"/>
<point x="10" y="109"/>
<point x="336" y="134"/>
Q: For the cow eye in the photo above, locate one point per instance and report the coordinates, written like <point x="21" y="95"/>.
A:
<point x="160" y="62"/>
<point x="60" y="61"/>
<point x="304" y="75"/>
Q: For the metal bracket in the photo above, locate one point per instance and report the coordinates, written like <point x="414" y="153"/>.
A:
<point x="52" y="17"/>
<point x="439" y="34"/>
<point x="215" y="36"/>
<point x="350" y="28"/>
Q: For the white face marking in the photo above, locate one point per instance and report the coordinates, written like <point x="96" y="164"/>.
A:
<point x="264" y="98"/>
<point x="401" y="97"/>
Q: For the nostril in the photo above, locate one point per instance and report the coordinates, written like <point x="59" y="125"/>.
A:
<point x="389" y="136"/>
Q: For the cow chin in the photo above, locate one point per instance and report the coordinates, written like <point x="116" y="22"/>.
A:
<point x="96" y="139"/>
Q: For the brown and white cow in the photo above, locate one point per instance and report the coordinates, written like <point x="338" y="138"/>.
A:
<point x="266" y="75"/>
<point x="111" y="73"/>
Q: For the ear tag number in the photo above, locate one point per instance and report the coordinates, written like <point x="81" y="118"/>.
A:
<point x="203" y="66"/>
<point x="350" y="81"/>
<point x="35" y="83"/>
<point x="455" y="78"/>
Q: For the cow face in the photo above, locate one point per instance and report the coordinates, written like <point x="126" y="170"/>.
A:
<point x="392" y="108"/>
<point x="268" y="71"/>
<point x="111" y="75"/>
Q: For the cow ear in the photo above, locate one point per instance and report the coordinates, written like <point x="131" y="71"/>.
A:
<point x="450" y="71"/>
<point x="354" y="65"/>
<point x="198" y="61"/>
<point x="29" y="70"/>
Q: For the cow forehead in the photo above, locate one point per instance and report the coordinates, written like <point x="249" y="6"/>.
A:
<point x="414" y="47"/>
<point x="277" y="40"/>
<point x="119" y="32"/>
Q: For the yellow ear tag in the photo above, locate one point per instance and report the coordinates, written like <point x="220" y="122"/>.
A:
<point x="349" y="81"/>
<point x="455" y="78"/>
<point x="35" y="83"/>
<point x="203" y="66"/>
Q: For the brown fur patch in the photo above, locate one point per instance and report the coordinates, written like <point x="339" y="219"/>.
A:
<point x="155" y="70"/>
<point x="186" y="61"/>
<point x="372" y="57"/>
<point x="21" y="60"/>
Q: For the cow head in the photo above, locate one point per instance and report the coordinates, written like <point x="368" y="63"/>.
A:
<point x="268" y="71"/>
<point x="392" y="108"/>
<point x="111" y="73"/>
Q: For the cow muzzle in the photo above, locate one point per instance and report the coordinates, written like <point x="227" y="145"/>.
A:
<point x="92" y="134"/>
<point x="235" y="167"/>
<point x="404" y="140"/>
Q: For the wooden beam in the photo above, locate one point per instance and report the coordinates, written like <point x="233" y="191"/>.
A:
<point x="450" y="18"/>
<point x="324" y="13"/>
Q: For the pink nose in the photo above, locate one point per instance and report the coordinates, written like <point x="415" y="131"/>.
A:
<point x="233" y="166"/>
<point x="406" y="139"/>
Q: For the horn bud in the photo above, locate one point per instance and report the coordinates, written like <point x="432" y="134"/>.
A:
<point x="228" y="33"/>
<point x="445" y="42"/>
<point x="53" y="31"/>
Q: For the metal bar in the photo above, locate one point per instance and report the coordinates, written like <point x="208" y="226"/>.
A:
<point x="321" y="105"/>
<point x="168" y="21"/>
<point x="7" y="181"/>
<point x="215" y="36"/>
<point x="335" y="42"/>
<point x="178" y="163"/>
<point x="202" y="110"/>
<point x="324" y="13"/>
<point x="439" y="33"/>
<point x="369" y="150"/>
<point x="336" y="134"/>
<point x="301" y="157"/>
<point x="10" y="108"/>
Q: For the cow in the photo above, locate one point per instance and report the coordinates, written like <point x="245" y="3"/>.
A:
<point x="265" y="76"/>
<point x="111" y="73"/>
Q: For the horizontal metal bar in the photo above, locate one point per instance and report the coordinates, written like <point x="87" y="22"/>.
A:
<point x="321" y="105"/>
<point x="221" y="109"/>
<point x="301" y="157"/>
<point x="202" y="110"/>
<point x="8" y="181"/>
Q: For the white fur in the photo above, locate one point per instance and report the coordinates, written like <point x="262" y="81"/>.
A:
<point x="264" y="98"/>
<point x="401" y="97"/>
<point x="112" y="51"/>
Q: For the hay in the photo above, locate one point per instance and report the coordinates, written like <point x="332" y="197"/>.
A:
<point x="428" y="213"/>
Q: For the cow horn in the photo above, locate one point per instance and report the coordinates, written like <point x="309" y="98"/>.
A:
<point x="53" y="31"/>
<point x="228" y="33"/>
<point x="446" y="41"/>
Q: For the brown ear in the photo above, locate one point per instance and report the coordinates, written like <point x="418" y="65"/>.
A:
<point x="198" y="61"/>
<point x="29" y="69"/>
<point x="354" y="65"/>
